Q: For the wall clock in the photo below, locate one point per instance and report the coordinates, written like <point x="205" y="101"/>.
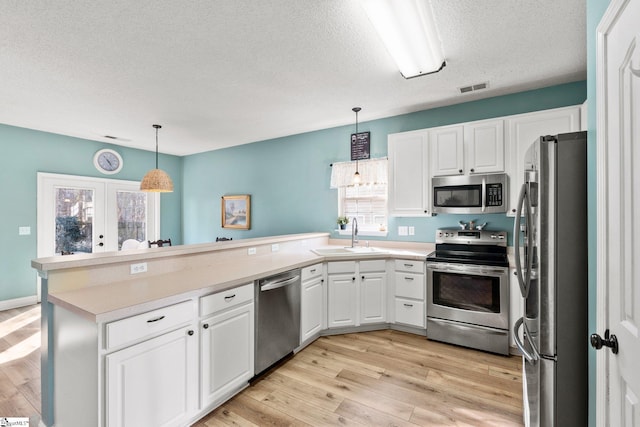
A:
<point x="108" y="161"/>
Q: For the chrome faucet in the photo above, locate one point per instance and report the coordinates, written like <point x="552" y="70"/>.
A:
<point x="354" y="232"/>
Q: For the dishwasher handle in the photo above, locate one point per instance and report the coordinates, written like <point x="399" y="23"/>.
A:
<point x="275" y="284"/>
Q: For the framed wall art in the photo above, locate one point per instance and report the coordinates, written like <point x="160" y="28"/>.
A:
<point x="236" y="212"/>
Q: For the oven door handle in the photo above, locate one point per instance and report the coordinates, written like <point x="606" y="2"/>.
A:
<point x="531" y="357"/>
<point x="466" y="268"/>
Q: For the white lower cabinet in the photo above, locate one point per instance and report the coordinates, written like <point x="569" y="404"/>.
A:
<point x="154" y="383"/>
<point x="357" y="293"/>
<point x="311" y="302"/>
<point x="410" y="292"/>
<point x="226" y="344"/>
<point x="342" y="302"/>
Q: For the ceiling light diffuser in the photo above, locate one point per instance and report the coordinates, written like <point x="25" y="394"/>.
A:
<point x="408" y="31"/>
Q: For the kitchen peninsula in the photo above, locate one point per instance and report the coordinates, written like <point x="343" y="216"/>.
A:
<point x="112" y="318"/>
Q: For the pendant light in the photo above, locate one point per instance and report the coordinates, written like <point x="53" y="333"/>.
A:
<point x="356" y="176"/>
<point x="157" y="180"/>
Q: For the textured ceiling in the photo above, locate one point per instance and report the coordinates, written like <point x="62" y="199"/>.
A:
<point x="218" y="73"/>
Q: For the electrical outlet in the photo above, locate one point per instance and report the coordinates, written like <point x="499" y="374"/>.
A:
<point x="251" y="251"/>
<point x="402" y="230"/>
<point x="412" y="230"/>
<point x="275" y="247"/>
<point x="138" y="268"/>
<point x="24" y="231"/>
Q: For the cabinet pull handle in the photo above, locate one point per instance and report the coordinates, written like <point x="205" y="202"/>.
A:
<point x="230" y="297"/>
<point x="312" y="271"/>
<point x="408" y="278"/>
<point x="408" y="305"/>
<point x="190" y="332"/>
<point x="408" y="265"/>
<point x="155" y="320"/>
<point x="205" y="326"/>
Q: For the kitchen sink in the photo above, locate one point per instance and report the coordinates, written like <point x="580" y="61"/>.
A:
<point x="348" y="251"/>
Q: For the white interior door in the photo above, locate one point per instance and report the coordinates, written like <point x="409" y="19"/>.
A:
<point x="618" y="390"/>
<point x="89" y="215"/>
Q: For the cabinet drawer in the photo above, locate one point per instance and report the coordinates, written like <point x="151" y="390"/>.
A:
<point x="147" y="324"/>
<point x="341" y="267"/>
<point x="226" y="299"/>
<point x="373" y="265"/>
<point x="410" y="285"/>
<point x="312" y="271"/>
<point x="409" y="265"/>
<point x="410" y="312"/>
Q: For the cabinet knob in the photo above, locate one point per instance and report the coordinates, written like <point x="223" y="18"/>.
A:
<point x="205" y="326"/>
<point x="460" y="170"/>
<point x="472" y="170"/>
<point x="353" y="279"/>
<point x="190" y="332"/>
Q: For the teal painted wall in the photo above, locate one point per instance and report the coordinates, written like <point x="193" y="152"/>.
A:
<point x="25" y="152"/>
<point x="288" y="178"/>
<point x="595" y="11"/>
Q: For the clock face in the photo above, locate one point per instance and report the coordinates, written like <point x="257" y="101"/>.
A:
<point x="108" y="161"/>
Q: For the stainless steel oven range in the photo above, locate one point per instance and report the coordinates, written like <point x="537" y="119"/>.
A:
<point x="468" y="289"/>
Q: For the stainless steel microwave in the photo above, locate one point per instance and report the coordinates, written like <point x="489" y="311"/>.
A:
<point x="473" y="194"/>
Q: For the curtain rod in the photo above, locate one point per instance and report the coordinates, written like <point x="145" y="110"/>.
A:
<point x="364" y="160"/>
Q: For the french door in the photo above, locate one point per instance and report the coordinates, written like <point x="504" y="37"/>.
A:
<point x="89" y="215"/>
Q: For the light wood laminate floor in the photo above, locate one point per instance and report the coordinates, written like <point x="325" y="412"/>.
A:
<point x="385" y="377"/>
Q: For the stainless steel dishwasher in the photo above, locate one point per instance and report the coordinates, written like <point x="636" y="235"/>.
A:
<point x="277" y="318"/>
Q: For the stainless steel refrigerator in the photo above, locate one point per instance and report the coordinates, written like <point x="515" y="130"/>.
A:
<point x="550" y="246"/>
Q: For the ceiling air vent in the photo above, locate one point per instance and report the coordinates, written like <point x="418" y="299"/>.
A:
<point x="473" y="88"/>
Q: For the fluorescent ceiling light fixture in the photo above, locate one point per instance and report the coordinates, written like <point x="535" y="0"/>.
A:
<point x="408" y="30"/>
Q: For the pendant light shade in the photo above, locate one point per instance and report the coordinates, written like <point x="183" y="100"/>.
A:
<point x="157" y="180"/>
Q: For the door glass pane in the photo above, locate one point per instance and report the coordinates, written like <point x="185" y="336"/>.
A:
<point x="132" y="216"/>
<point x="74" y="220"/>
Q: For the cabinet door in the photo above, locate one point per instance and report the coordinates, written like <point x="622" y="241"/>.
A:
<point x="373" y="298"/>
<point x="409" y="179"/>
<point x="154" y="383"/>
<point x="484" y="142"/>
<point x="311" y="308"/>
<point x="342" y="300"/>
<point x="523" y="130"/>
<point x="227" y="353"/>
<point x="447" y="151"/>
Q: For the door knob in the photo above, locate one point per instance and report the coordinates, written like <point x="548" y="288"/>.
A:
<point x="598" y="342"/>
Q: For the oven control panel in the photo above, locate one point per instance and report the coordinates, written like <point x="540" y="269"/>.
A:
<point x="471" y="237"/>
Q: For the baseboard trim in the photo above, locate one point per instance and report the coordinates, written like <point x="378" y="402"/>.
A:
<point x="18" y="302"/>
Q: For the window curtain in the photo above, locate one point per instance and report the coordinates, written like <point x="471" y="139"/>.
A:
<point x="372" y="171"/>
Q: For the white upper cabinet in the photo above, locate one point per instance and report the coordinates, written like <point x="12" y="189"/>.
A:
<point x="472" y="148"/>
<point x="484" y="144"/>
<point x="523" y="130"/>
<point x="409" y="178"/>
<point x="447" y="150"/>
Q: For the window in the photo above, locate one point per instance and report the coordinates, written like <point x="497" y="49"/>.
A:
<point x="368" y="201"/>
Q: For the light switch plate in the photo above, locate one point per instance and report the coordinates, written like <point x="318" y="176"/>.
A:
<point x="138" y="268"/>
<point x="412" y="230"/>
<point x="403" y="230"/>
<point x="251" y="251"/>
<point x="275" y="247"/>
<point x="24" y="231"/>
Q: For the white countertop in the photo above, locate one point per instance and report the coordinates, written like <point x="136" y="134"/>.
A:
<point x="142" y="293"/>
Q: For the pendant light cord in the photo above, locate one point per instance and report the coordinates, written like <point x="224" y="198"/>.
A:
<point x="157" y="127"/>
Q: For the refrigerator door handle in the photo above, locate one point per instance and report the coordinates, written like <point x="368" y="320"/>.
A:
<point x="531" y="357"/>
<point x="525" y="281"/>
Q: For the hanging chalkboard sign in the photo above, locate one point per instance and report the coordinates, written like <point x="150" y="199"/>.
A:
<point x="360" y="146"/>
